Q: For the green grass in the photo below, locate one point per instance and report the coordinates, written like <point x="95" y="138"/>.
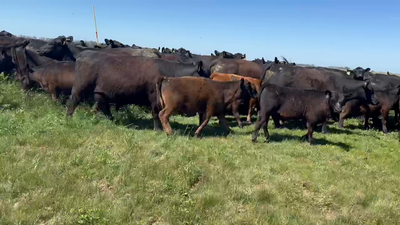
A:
<point x="88" y="170"/>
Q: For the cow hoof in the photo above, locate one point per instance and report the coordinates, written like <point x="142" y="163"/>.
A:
<point x="254" y="140"/>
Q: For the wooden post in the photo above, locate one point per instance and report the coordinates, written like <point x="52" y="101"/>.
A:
<point x="95" y="26"/>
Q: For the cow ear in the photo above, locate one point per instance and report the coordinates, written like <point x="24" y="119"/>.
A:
<point x="244" y="56"/>
<point x="367" y="70"/>
<point x="216" y="52"/>
<point x="263" y="60"/>
<point x="276" y="60"/>
<point x="328" y="94"/>
<point x="212" y="54"/>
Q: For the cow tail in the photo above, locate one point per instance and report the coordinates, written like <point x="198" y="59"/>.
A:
<point x="158" y="53"/>
<point x="160" y="99"/>
<point x="266" y="68"/>
<point x="212" y="66"/>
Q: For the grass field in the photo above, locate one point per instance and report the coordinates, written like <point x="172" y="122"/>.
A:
<point x="88" y="170"/>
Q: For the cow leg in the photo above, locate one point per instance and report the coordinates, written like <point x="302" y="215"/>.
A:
<point x="73" y="102"/>
<point x="385" y="115"/>
<point x="325" y="128"/>
<point x="251" y="106"/>
<point x="201" y="118"/>
<point x="224" y="124"/>
<point x="103" y="104"/>
<point x="277" y="122"/>
<point x="344" y="115"/>
<point x="56" y="94"/>
<point x="204" y="123"/>
<point x="396" y="115"/>
<point x="366" y="118"/>
<point x="310" y="130"/>
<point x="235" y="111"/>
<point x="262" y="121"/>
<point x="155" y="111"/>
<point x="164" y="118"/>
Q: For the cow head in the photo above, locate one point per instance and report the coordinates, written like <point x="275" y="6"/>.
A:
<point x="114" y="44"/>
<point x="227" y="55"/>
<point x="201" y="70"/>
<point x="5" y="34"/>
<point x="244" y="92"/>
<point x="83" y="43"/>
<point x="359" y="73"/>
<point x="55" y="48"/>
<point x="239" y="56"/>
<point x="364" y="93"/>
<point x="166" y="50"/>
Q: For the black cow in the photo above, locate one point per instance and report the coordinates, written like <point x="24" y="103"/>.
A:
<point x="6" y="64"/>
<point x="4" y="33"/>
<point x="135" y="46"/>
<point x="228" y="55"/>
<point x="318" y="78"/>
<point x="63" y="50"/>
<point x="383" y="81"/>
<point x="259" y="61"/>
<point x="114" y="44"/>
<point x="123" y="80"/>
<point x="314" y="107"/>
<point x="291" y="103"/>
<point x="7" y="45"/>
<point x="166" y="50"/>
<point x="54" y="76"/>
<point x="12" y="42"/>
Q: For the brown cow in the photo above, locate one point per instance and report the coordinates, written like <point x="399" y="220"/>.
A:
<point x="191" y="95"/>
<point x="56" y="78"/>
<point x="237" y="66"/>
<point x="255" y="84"/>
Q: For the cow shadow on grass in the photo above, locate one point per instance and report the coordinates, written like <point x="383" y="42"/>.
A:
<point x="301" y="125"/>
<point x="139" y="123"/>
<point x="282" y="137"/>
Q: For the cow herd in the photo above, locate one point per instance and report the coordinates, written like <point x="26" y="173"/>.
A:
<point x="176" y="81"/>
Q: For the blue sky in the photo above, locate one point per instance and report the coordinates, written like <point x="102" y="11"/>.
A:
<point x="321" y="32"/>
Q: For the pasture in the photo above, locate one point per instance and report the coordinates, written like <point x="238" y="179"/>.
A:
<point x="89" y="170"/>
